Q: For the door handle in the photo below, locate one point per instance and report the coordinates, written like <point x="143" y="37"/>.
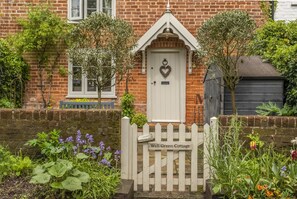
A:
<point x="153" y="83"/>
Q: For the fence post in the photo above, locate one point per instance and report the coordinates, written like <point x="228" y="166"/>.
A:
<point x="125" y="162"/>
<point x="211" y="138"/>
<point x="206" y="143"/>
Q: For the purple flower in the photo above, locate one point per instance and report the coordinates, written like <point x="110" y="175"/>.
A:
<point x="94" y="155"/>
<point x="69" y="139"/>
<point x="78" y="137"/>
<point x="87" y="151"/>
<point x="108" y="148"/>
<point x="102" y="146"/>
<point x="284" y="168"/>
<point x="117" y="155"/>
<point x="105" y="162"/>
<point x="118" y="152"/>
<point x="61" y="140"/>
<point x="90" y="138"/>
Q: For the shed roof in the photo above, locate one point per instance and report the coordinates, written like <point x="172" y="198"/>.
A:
<point x="249" y="67"/>
<point x="254" y="66"/>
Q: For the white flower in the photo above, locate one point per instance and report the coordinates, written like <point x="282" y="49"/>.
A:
<point x="294" y="141"/>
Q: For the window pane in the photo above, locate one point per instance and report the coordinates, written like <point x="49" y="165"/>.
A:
<point x="107" y="7"/>
<point x="91" y="85"/>
<point x="75" y="8"/>
<point x="91" y="6"/>
<point x="76" y="80"/>
<point x="107" y="87"/>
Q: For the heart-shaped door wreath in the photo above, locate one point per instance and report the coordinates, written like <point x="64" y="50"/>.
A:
<point x="165" y="69"/>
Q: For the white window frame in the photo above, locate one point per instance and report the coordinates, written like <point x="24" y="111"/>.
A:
<point x="83" y="9"/>
<point x="80" y="10"/>
<point x="84" y="93"/>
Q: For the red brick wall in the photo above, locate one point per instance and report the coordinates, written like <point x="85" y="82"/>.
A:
<point x="142" y="14"/>
<point x="279" y="130"/>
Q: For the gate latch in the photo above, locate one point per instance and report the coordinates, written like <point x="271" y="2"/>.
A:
<point x="145" y="138"/>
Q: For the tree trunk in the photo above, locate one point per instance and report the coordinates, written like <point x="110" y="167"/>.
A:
<point x="99" y="95"/>
<point x="234" y="111"/>
<point x="42" y="89"/>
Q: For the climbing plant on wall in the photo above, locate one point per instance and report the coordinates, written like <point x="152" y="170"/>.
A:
<point x="43" y="36"/>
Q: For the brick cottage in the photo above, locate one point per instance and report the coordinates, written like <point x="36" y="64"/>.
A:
<point x="167" y="81"/>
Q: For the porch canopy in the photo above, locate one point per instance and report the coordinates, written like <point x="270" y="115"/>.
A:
<point x="167" y="24"/>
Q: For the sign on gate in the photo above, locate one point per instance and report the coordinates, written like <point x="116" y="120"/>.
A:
<point x="175" y="150"/>
<point x="170" y="146"/>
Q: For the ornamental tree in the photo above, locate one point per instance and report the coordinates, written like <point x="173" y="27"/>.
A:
<point x="43" y="35"/>
<point x="223" y="39"/>
<point x="101" y="46"/>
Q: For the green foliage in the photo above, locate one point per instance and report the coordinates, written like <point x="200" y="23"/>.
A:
<point x="48" y="145"/>
<point x="139" y="119"/>
<point x="222" y="40"/>
<point x="271" y="109"/>
<point x="258" y="172"/>
<point x="276" y="42"/>
<point x="76" y="166"/>
<point x="61" y="175"/>
<point x="127" y="105"/>
<point x="103" y="181"/>
<point x="13" y="76"/>
<point x="11" y="165"/>
<point x="43" y="35"/>
<point x="5" y="103"/>
<point x="102" y="46"/>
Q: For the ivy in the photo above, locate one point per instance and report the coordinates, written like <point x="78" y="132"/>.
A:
<point x="13" y="76"/>
<point x="276" y="41"/>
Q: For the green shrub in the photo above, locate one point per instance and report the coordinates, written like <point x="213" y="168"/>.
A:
<point x="11" y="165"/>
<point x="276" y="42"/>
<point x="139" y="119"/>
<point x="127" y="105"/>
<point x="5" y="103"/>
<point x="14" y="73"/>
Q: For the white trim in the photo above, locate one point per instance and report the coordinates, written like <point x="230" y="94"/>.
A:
<point x="80" y="10"/>
<point x="190" y="55"/>
<point x="84" y="93"/>
<point x="143" y="68"/>
<point x="182" y="65"/>
<point x="167" y="20"/>
<point x="83" y="10"/>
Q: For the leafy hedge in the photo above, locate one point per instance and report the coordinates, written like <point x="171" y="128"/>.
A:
<point x="14" y="73"/>
<point x="276" y="41"/>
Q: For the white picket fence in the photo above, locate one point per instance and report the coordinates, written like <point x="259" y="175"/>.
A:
<point x="172" y="145"/>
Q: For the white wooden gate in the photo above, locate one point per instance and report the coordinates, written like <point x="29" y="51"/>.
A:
<point x="163" y="150"/>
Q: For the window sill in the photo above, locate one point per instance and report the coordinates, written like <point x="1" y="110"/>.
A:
<point x="92" y="96"/>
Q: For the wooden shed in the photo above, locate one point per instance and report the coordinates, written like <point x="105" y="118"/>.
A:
<point x="259" y="83"/>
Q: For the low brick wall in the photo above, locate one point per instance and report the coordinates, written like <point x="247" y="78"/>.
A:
<point x="19" y="125"/>
<point x="280" y="130"/>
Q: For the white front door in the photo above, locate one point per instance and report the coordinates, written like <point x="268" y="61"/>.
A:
<point x="166" y="85"/>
